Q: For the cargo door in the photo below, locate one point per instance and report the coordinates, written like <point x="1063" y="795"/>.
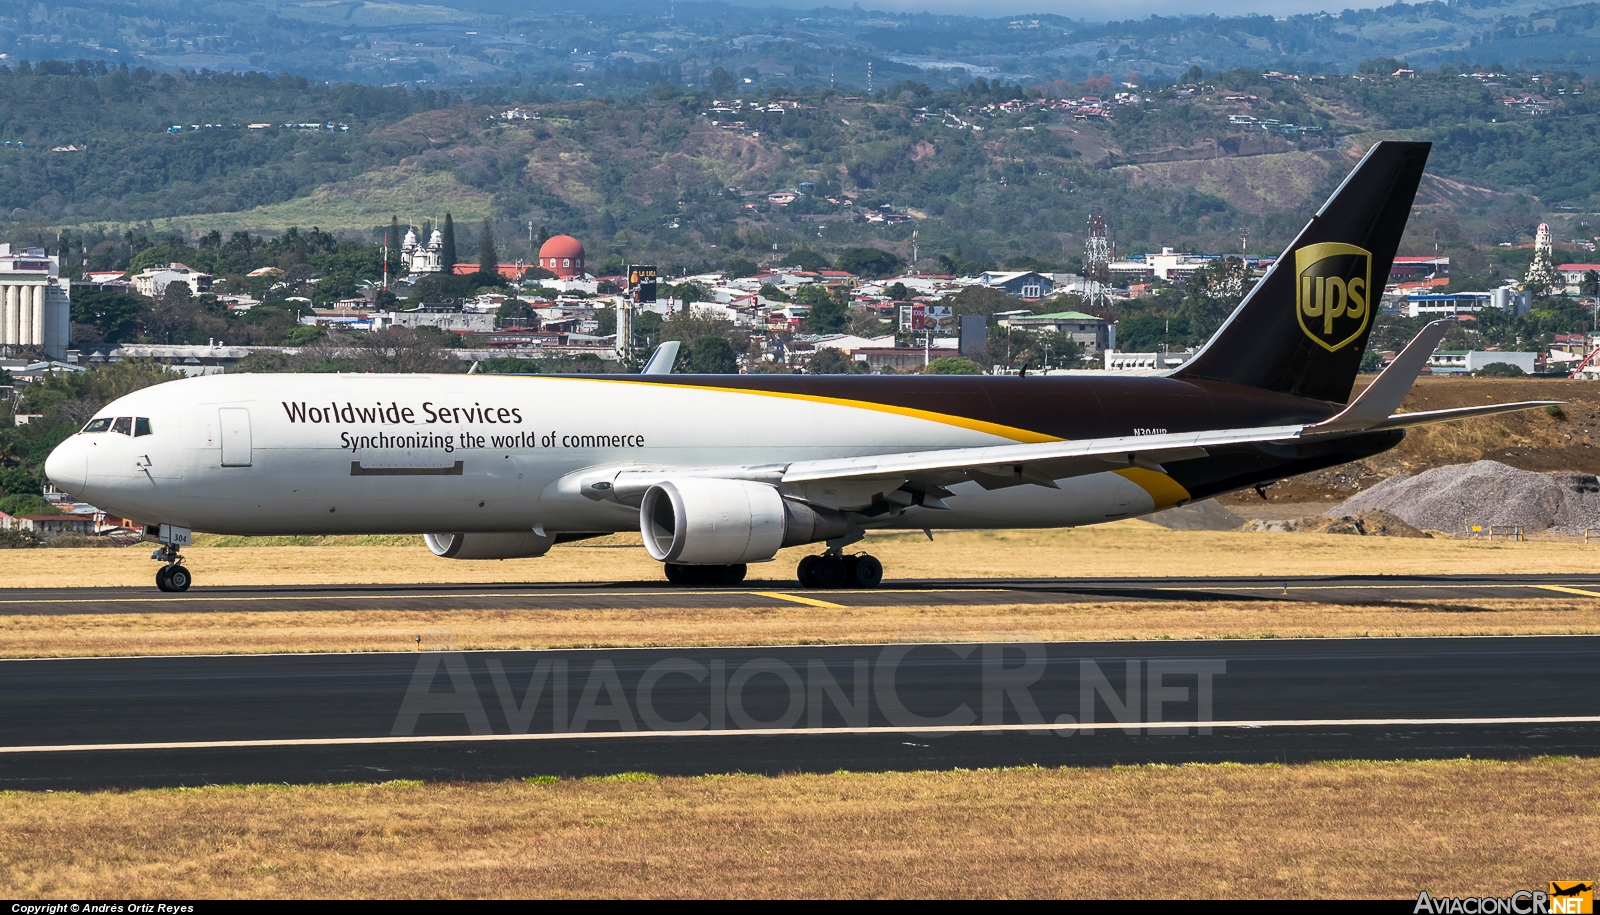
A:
<point x="234" y="423"/>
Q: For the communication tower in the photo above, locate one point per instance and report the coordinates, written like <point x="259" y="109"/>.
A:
<point x="1097" y="253"/>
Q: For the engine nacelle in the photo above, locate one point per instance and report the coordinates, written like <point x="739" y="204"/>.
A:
<point x="510" y="545"/>
<point x="701" y="521"/>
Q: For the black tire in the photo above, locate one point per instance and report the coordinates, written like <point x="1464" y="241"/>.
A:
<point x="679" y="575"/>
<point x="178" y="578"/>
<point x="161" y="578"/>
<point x="807" y="572"/>
<point x="830" y="571"/>
<point x="728" y="575"/>
<point x="865" y="571"/>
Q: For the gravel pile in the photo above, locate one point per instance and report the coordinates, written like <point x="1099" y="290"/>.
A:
<point x="1205" y="515"/>
<point x="1485" y="493"/>
<point x="1377" y="523"/>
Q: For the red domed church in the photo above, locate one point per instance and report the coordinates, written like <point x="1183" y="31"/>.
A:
<point x="563" y="256"/>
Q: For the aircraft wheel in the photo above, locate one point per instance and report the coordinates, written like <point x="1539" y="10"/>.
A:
<point x="178" y="578"/>
<point x="807" y="572"/>
<point x="863" y="571"/>
<point x="830" y="571"/>
<point x="728" y="575"/>
<point x="161" y="578"/>
<point x="680" y="575"/>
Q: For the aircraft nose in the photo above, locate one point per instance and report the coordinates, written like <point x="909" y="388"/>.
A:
<point x="68" y="466"/>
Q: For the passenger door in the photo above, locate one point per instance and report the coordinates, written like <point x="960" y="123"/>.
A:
<point x="234" y="423"/>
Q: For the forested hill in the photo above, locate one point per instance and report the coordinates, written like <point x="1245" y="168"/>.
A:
<point x="577" y="48"/>
<point x="91" y="141"/>
<point x="1001" y="170"/>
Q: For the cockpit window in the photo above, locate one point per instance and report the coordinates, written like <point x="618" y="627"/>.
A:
<point x="98" y="425"/>
<point x="141" y="426"/>
<point x="122" y="424"/>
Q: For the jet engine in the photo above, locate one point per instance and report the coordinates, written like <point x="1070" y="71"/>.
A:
<point x="699" y="521"/>
<point x="508" y="545"/>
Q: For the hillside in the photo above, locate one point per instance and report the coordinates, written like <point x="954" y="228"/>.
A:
<point x="1528" y="440"/>
<point x="994" y="173"/>
<point x="569" y="49"/>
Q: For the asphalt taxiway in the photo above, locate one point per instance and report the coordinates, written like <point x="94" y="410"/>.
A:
<point x="99" y="722"/>
<point x="647" y="595"/>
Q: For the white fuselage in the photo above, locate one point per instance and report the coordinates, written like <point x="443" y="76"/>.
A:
<point x="322" y="454"/>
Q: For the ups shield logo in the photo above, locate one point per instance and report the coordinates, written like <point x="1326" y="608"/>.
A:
<point x="1333" y="296"/>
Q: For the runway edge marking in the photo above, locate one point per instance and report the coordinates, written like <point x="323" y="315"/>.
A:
<point x="1156" y="726"/>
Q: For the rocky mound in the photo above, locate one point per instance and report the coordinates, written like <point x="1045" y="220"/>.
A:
<point x="1378" y="523"/>
<point x="1205" y="515"/>
<point x="1458" y="496"/>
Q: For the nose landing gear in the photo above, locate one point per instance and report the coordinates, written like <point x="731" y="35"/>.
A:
<point x="172" y="576"/>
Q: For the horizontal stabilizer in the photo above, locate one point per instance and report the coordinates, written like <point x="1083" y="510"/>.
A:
<point x="1428" y="417"/>
<point x="1384" y="395"/>
<point x="661" y="360"/>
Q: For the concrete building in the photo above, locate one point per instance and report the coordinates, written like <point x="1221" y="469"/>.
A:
<point x="1509" y="299"/>
<point x="1146" y="363"/>
<point x="35" y="303"/>
<point x="1094" y="335"/>
<point x="1024" y="284"/>
<point x="46" y="526"/>
<point x="445" y="316"/>
<point x="154" y="281"/>
<point x="1465" y="362"/>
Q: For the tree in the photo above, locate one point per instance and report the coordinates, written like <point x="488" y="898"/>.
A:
<point x="806" y="259"/>
<point x="447" y="248"/>
<point x="741" y="267"/>
<point x="691" y="324"/>
<point x="488" y="258"/>
<point x="712" y="355"/>
<point x="869" y="262"/>
<point x="952" y="365"/>
<point x="393" y="241"/>
<point x="516" y="313"/>
<point x="828" y="360"/>
<point x="1590" y="284"/>
<point x="113" y="316"/>
<point x="721" y="83"/>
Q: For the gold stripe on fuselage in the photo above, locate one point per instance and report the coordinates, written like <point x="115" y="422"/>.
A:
<point x="1163" y="490"/>
<point x="1014" y="433"/>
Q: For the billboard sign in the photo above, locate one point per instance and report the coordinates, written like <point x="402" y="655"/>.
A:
<point x="642" y="282"/>
<point x="918" y="318"/>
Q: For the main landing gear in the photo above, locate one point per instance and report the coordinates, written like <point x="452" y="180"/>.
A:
<point x="172" y="576"/>
<point x="705" y="575"/>
<point x="835" y="570"/>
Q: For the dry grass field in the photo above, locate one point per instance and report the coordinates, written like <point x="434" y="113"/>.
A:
<point x="761" y="623"/>
<point x="1379" y="830"/>
<point x="1123" y="548"/>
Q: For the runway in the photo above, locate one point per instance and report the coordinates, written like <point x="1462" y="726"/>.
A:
<point x="103" y="722"/>
<point x="648" y="595"/>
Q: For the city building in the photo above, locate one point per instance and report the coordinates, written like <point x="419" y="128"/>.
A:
<point x="1094" y="335"/>
<point x="1146" y="363"/>
<point x="420" y="258"/>
<point x="1465" y="362"/>
<point x="445" y="316"/>
<point x="1024" y="284"/>
<point x="35" y="303"/>
<point x="154" y="281"/>
<point x="1513" y="301"/>
<point x="563" y="256"/>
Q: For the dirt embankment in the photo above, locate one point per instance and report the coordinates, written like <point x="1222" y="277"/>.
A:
<point x="1529" y="440"/>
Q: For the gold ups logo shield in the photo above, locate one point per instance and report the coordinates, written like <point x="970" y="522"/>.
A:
<point x="1333" y="296"/>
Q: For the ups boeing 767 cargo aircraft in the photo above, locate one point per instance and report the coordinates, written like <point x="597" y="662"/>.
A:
<point x="720" y="471"/>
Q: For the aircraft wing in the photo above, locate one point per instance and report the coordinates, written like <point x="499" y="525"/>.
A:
<point x="1041" y="463"/>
